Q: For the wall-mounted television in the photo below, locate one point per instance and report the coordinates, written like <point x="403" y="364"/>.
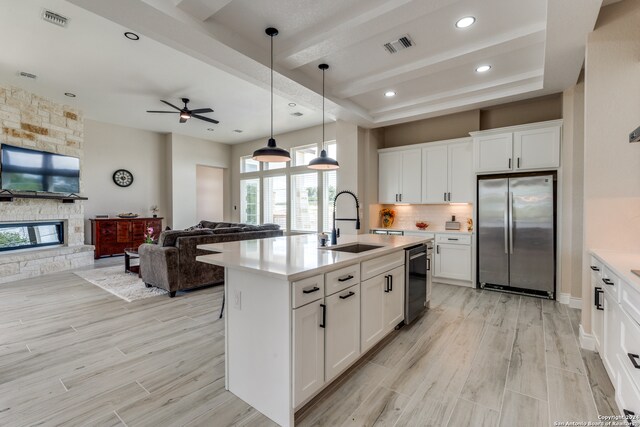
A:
<point x="23" y="169"/>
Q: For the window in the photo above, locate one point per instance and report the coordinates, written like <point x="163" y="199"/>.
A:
<point x="275" y="200"/>
<point x="332" y="150"/>
<point x="304" y="202"/>
<point x="301" y="156"/>
<point x="274" y="165"/>
<point x="247" y="164"/>
<point x="330" y="185"/>
<point x="250" y="201"/>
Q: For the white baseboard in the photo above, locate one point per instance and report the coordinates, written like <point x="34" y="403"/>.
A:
<point x="575" y="303"/>
<point x="586" y="340"/>
<point x="564" y="298"/>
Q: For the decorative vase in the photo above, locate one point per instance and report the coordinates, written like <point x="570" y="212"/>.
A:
<point x="387" y="221"/>
<point x="155" y="215"/>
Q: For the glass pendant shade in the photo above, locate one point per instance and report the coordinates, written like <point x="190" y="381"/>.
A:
<point x="323" y="162"/>
<point x="271" y="153"/>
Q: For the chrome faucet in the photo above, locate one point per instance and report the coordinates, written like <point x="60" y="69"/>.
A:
<point x="335" y="233"/>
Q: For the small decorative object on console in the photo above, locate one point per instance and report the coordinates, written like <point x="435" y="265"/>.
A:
<point x="422" y="225"/>
<point x="127" y="215"/>
<point x="154" y="210"/>
<point x="388" y="216"/>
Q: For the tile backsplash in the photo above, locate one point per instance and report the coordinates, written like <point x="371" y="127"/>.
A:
<point x="435" y="215"/>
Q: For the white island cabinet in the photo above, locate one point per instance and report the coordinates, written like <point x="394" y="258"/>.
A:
<point x="297" y="316"/>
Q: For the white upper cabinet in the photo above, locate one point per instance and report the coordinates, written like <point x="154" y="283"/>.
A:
<point x="400" y="174"/>
<point x="447" y="174"/>
<point x="518" y="148"/>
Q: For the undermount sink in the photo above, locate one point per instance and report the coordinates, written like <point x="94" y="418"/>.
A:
<point x="355" y="248"/>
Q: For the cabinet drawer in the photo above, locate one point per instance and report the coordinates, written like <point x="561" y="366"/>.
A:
<point x="630" y="347"/>
<point x="376" y="266"/>
<point x="630" y="302"/>
<point x="610" y="283"/>
<point x="628" y="396"/>
<point x="308" y="290"/>
<point x="337" y="280"/>
<point x="454" y="239"/>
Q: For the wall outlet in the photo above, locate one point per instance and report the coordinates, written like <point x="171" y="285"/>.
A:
<point x="237" y="300"/>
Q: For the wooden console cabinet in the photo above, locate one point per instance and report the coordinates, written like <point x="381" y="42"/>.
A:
<point x="111" y="236"/>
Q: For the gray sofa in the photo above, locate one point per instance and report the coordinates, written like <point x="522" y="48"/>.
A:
<point x="171" y="263"/>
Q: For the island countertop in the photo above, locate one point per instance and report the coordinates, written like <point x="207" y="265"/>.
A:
<point x="296" y="257"/>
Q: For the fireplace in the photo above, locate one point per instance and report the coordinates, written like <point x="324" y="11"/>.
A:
<point x="26" y="235"/>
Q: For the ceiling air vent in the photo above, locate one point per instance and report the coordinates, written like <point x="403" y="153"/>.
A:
<point x="27" y="75"/>
<point x="54" y="18"/>
<point x="402" y="43"/>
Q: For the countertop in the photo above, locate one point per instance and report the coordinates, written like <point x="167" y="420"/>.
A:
<point x="621" y="263"/>
<point x="296" y="257"/>
<point x="430" y="229"/>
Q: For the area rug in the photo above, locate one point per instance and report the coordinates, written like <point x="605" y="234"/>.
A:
<point x="127" y="286"/>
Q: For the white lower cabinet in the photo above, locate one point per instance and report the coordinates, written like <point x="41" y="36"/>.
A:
<point x="452" y="261"/>
<point x="308" y="351"/>
<point x="597" y="312"/>
<point x="342" y="329"/>
<point x="381" y="306"/>
<point x="611" y="336"/>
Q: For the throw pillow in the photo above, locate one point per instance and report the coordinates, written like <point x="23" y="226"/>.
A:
<point x="168" y="238"/>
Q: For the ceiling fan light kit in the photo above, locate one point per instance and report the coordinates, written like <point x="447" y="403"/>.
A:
<point x="271" y="153"/>
<point x="324" y="162"/>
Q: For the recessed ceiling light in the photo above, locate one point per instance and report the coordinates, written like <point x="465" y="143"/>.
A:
<point x="237" y="130"/>
<point x="297" y="114"/>
<point x="465" y="22"/>
<point x="292" y="104"/>
<point x="70" y="95"/>
<point x="131" y="36"/>
<point x="210" y="129"/>
<point x="483" y="68"/>
<point x="390" y="93"/>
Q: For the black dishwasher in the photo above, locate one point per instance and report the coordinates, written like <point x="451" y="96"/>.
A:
<point x="417" y="280"/>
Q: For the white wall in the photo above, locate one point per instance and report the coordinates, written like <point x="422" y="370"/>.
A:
<point x="612" y="110"/>
<point x="210" y="193"/>
<point x="108" y="147"/>
<point x="185" y="154"/>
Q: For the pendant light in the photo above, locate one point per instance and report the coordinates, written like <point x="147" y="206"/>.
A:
<point x="271" y="153"/>
<point x="323" y="162"/>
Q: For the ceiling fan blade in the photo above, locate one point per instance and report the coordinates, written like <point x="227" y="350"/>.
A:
<point x="182" y="120"/>
<point x="171" y="105"/>
<point x="206" y="119"/>
<point x="202" y="110"/>
<point x="170" y="112"/>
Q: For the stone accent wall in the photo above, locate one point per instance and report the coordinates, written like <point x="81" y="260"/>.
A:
<point x="30" y="121"/>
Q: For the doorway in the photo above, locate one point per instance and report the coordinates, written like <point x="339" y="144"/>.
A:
<point x="209" y="193"/>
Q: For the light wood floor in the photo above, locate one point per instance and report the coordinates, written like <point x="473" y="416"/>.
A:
<point x="72" y="354"/>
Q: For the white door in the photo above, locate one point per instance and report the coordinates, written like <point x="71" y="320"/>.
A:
<point x="371" y="309"/>
<point x="435" y="176"/>
<point x="411" y="177"/>
<point x="308" y="351"/>
<point x="493" y="153"/>
<point x="394" y="299"/>
<point x="612" y="341"/>
<point x="537" y="149"/>
<point x="452" y="262"/>
<point x="389" y="165"/>
<point x="342" y="331"/>
<point x="461" y="172"/>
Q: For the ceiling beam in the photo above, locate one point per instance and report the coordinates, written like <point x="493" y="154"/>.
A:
<point x="500" y="44"/>
<point x="201" y="9"/>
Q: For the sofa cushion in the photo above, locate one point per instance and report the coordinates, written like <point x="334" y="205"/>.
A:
<point x="168" y="238"/>
<point x="225" y="230"/>
<point x="194" y="227"/>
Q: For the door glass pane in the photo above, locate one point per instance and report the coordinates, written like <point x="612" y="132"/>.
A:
<point x="247" y="164"/>
<point x="275" y="200"/>
<point x="303" y="155"/>
<point x="250" y="201"/>
<point x="304" y="202"/>
<point x="330" y="184"/>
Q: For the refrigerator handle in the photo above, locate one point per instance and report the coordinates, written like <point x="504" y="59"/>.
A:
<point x="506" y="223"/>
<point x="511" y="222"/>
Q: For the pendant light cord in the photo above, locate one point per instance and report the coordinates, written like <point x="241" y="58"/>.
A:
<point x="323" y="138"/>
<point x="271" y="87"/>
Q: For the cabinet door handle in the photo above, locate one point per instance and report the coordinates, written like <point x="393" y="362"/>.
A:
<point x="390" y="283"/>
<point x="437" y="249"/>
<point x="445" y="196"/>
<point x="594" y="268"/>
<point x="518" y="162"/>
<point x="629" y="415"/>
<point x="633" y="358"/>
<point x="386" y="284"/>
<point x="607" y="281"/>
<point x="324" y="316"/>
<point x="597" y="292"/>
<point x="428" y="263"/>
<point x="310" y="291"/>
<point x="350" y="294"/>
<point x="344" y="279"/>
<point x="509" y="163"/>
<point x="449" y="196"/>
<point x="396" y="197"/>
<point x="400" y="196"/>
<point x="451" y="238"/>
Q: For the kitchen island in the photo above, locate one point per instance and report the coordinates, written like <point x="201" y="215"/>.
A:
<point x="297" y="316"/>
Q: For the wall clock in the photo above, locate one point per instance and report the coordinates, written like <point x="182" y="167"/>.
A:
<point x="123" y="178"/>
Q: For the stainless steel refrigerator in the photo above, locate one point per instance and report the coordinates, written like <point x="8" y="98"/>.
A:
<point x="516" y="233"/>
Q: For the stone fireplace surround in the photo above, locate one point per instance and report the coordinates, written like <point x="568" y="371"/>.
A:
<point x="30" y="121"/>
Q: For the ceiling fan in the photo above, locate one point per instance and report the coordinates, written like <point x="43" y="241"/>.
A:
<point x="186" y="114"/>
